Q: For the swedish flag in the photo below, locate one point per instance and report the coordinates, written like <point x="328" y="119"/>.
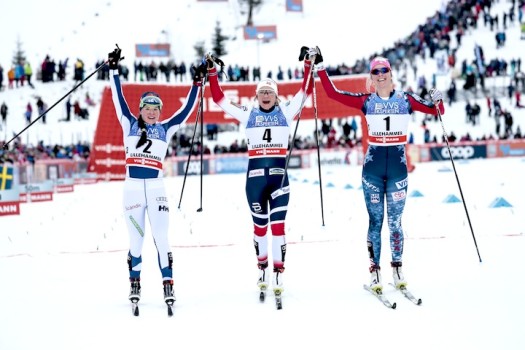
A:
<point x="6" y="177"/>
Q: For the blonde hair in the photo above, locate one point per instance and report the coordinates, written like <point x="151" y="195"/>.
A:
<point x="369" y="84"/>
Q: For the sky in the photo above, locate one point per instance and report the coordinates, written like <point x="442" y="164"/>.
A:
<point x="64" y="272"/>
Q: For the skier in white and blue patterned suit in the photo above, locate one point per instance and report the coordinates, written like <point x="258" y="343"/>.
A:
<point x="384" y="174"/>
<point x="146" y="142"/>
<point x="267" y="131"/>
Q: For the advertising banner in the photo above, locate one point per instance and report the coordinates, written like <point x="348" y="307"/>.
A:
<point x="506" y="148"/>
<point x="107" y="158"/>
<point x="294" y="5"/>
<point x="194" y="166"/>
<point x="260" y="32"/>
<point x="85" y="178"/>
<point x="458" y="151"/>
<point x="38" y="192"/>
<point x="152" y="50"/>
<point x="231" y="165"/>
<point x="65" y="185"/>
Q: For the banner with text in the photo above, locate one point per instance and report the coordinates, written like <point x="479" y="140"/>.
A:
<point x="152" y="50"/>
<point x="107" y="157"/>
<point x="264" y="33"/>
<point x="294" y="5"/>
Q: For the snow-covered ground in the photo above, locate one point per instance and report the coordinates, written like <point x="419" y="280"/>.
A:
<point x="63" y="263"/>
<point x="64" y="271"/>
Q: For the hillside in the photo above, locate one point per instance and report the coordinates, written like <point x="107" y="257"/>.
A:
<point x="57" y="132"/>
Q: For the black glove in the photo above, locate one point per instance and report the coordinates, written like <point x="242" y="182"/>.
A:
<point x="197" y="73"/>
<point x="114" y="58"/>
<point x="304" y="53"/>
<point x="209" y="62"/>
<point x="212" y="59"/>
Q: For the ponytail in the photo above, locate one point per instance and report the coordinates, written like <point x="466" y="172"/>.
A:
<point x="143" y="134"/>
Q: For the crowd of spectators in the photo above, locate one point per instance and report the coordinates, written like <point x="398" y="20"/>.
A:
<point x="435" y="35"/>
<point x="21" y="153"/>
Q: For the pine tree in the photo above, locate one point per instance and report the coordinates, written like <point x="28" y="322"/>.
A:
<point x="19" y="56"/>
<point x="200" y="50"/>
<point x="218" y="41"/>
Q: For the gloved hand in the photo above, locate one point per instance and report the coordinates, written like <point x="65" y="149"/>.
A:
<point x="198" y="73"/>
<point x="304" y="53"/>
<point x="212" y="59"/>
<point x="435" y="95"/>
<point x="114" y="58"/>
<point x="317" y="52"/>
<point x="209" y="61"/>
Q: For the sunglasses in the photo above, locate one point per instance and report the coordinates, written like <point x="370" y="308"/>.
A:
<point x="265" y="92"/>
<point x="383" y="70"/>
<point x="153" y="101"/>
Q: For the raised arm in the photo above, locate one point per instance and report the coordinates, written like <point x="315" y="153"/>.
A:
<point x="121" y="106"/>
<point x="292" y="108"/>
<point x="237" y="111"/>
<point x="350" y="99"/>
<point x="184" y="112"/>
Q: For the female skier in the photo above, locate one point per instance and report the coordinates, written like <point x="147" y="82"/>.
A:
<point x="384" y="174"/>
<point x="146" y="142"/>
<point x="267" y="127"/>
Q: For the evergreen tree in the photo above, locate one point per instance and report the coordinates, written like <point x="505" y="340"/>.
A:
<point x="19" y="56"/>
<point x="200" y="50"/>
<point x="218" y="41"/>
<point x="252" y="5"/>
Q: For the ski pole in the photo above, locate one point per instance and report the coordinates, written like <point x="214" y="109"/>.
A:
<point x="318" y="153"/>
<point x="457" y="178"/>
<point x="191" y="147"/>
<point x="202" y="138"/>
<point x="63" y="97"/>
<point x="280" y="190"/>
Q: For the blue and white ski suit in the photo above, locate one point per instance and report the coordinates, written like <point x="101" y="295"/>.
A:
<point x="384" y="174"/>
<point x="144" y="185"/>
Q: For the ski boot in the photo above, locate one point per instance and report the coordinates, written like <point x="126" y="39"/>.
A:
<point x="278" y="286"/>
<point x="278" y="279"/>
<point x="134" y="292"/>
<point x="375" y="279"/>
<point x="169" y="296"/>
<point x="262" y="282"/>
<point x="399" y="278"/>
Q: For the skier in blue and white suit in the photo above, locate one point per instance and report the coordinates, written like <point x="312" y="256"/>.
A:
<point x="267" y="131"/>
<point x="384" y="175"/>
<point x="146" y="142"/>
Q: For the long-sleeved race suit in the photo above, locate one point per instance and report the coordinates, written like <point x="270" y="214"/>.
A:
<point x="144" y="187"/>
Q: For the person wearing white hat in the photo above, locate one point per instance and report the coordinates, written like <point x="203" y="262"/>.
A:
<point x="267" y="124"/>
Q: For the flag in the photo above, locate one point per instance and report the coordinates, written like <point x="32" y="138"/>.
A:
<point x="6" y="177"/>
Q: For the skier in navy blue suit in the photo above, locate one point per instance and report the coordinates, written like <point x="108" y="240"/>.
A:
<point x="146" y="141"/>
<point x="384" y="175"/>
<point x="267" y="126"/>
